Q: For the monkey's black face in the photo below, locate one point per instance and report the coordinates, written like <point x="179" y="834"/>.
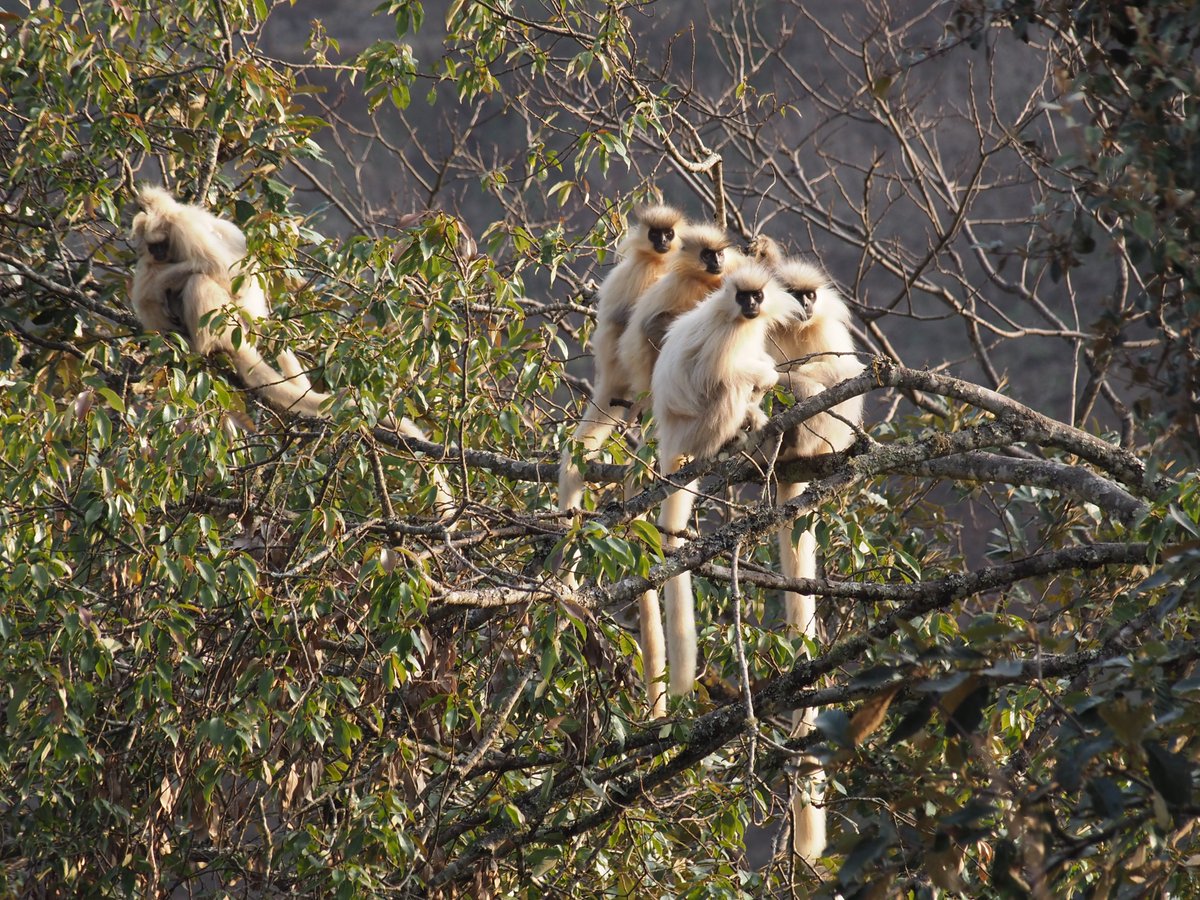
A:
<point x="160" y="250"/>
<point x="750" y="303"/>
<point x="807" y="298"/>
<point x="660" y="239"/>
<point x="713" y="260"/>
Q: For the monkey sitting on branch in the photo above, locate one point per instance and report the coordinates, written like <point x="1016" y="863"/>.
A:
<point x="815" y="351"/>
<point x="188" y="260"/>
<point x="708" y="382"/>
<point x="188" y="263"/>
<point x="645" y="254"/>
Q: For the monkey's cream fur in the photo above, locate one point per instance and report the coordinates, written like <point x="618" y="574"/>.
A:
<point x="188" y="261"/>
<point x="710" y="378"/>
<point x="815" y="352"/>
<point x="645" y="252"/>
<point x="703" y="261"/>
<point x="645" y="255"/>
<point x="696" y="270"/>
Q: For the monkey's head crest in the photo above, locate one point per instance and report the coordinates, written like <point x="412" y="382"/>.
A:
<point x="152" y="226"/>
<point x="658" y="215"/>
<point x="151" y="198"/>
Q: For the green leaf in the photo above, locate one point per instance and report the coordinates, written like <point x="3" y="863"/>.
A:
<point x="835" y="725"/>
<point x="1170" y="773"/>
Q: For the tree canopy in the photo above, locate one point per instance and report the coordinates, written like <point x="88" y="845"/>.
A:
<point x="240" y="655"/>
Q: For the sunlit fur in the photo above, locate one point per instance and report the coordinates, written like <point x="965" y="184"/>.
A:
<point x="708" y="383"/>
<point x="815" y="352"/>
<point x="202" y="259"/>
<point x="188" y="263"/>
<point x="688" y="282"/>
<point x="818" y="352"/>
<point x="641" y="265"/>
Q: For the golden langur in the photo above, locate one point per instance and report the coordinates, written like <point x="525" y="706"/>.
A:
<point x="697" y="270"/>
<point x="644" y="252"/>
<point x="814" y="351"/>
<point x="188" y="262"/>
<point x="694" y="271"/>
<point x="710" y="378"/>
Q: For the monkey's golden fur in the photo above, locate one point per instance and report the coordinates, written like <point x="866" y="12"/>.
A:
<point x="645" y="253"/>
<point x="710" y="378"/>
<point x="188" y="263"/>
<point x="703" y="261"/>
<point x="815" y="352"/>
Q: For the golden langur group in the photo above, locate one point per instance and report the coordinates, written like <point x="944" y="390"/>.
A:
<point x="192" y="278"/>
<point x="687" y="327"/>
<point x="708" y="332"/>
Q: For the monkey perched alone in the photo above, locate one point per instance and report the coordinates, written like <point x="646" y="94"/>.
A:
<point x="815" y="350"/>
<point x="709" y="380"/>
<point x="188" y="263"/>
<point x="645" y="252"/>
<point x="188" y="260"/>
<point x="703" y="261"/>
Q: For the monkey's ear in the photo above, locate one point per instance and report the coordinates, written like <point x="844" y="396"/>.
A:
<point x="139" y="225"/>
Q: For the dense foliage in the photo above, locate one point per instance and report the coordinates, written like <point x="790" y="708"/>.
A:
<point x="238" y="655"/>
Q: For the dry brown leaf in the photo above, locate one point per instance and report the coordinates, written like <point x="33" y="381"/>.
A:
<point x="871" y="715"/>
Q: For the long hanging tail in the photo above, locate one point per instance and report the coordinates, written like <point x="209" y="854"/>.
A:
<point x="290" y="366"/>
<point x="592" y="431"/>
<point x="680" y="605"/>
<point x="808" y="819"/>
<point x="654" y="654"/>
<point x="654" y="648"/>
<point x="286" y="394"/>
<point x="799" y="560"/>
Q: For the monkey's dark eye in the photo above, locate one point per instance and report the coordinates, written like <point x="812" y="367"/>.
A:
<point x="806" y="295"/>
<point x="669" y="234"/>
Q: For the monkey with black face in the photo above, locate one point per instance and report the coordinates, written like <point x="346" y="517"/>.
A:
<point x="188" y="263"/>
<point x="645" y="252"/>
<point x="707" y="385"/>
<point x="815" y="351"/>
<point x="703" y="261"/>
<point x="695" y="269"/>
